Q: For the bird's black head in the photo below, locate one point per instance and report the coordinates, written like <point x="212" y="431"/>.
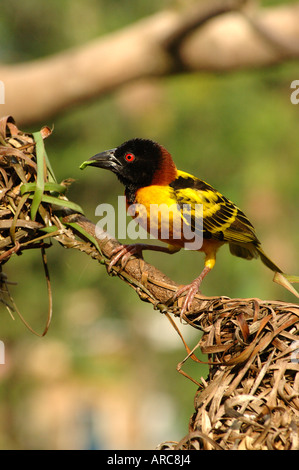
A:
<point x="136" y="162"/>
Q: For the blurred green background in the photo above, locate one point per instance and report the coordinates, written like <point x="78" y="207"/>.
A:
<point x="104" y="377"/>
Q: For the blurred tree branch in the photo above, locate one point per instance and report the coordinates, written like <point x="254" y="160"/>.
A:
<point x="210" y="36"/>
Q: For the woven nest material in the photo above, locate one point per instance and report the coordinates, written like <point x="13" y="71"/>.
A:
<point x="29" y="193"/>
<point x="18" y="166"/>
<point x="30" y="200"/>
<point x="251" y="397"/>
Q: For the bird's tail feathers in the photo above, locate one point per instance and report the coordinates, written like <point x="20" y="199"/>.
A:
<point x="267" y="261"/>
<point x="280" y="277"/>
<point x="253" y="251"/>
<point x="242" y="251"/>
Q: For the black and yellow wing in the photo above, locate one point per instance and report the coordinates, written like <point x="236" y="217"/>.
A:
<point x="222" y="219"/>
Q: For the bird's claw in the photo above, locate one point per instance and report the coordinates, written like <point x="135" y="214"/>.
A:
<point x="192" y="290"/>
<point x="123" y="252"/>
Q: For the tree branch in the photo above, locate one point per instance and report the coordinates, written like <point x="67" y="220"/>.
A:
<point x="154" y="286"/>
<point x="149" y="282"/>
<point x="208" y="37"/>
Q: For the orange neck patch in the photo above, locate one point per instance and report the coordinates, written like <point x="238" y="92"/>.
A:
<point x="167" y="170"/>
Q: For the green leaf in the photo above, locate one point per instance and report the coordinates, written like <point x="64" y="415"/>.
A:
<point x="51" y="176"/>
<point x="291" y="278"/>
<point x="40" y="179"/>
<point x="87" y="235"/>
<point x="54" y="187"/>
<point x="50" y="229"/>
<point x="85" y="164"/>
<point x="60" y="202"/>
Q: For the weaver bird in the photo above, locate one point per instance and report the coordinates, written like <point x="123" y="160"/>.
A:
<point x="150" y="176"/>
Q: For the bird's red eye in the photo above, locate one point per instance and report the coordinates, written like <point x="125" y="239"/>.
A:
<point x="130" y="157"/>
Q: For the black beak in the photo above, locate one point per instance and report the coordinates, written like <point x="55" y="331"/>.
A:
<point x="105" y="160"/>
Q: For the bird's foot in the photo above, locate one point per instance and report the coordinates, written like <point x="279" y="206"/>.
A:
<point x="124" y="252"/>
<point x="191" y="291"/>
